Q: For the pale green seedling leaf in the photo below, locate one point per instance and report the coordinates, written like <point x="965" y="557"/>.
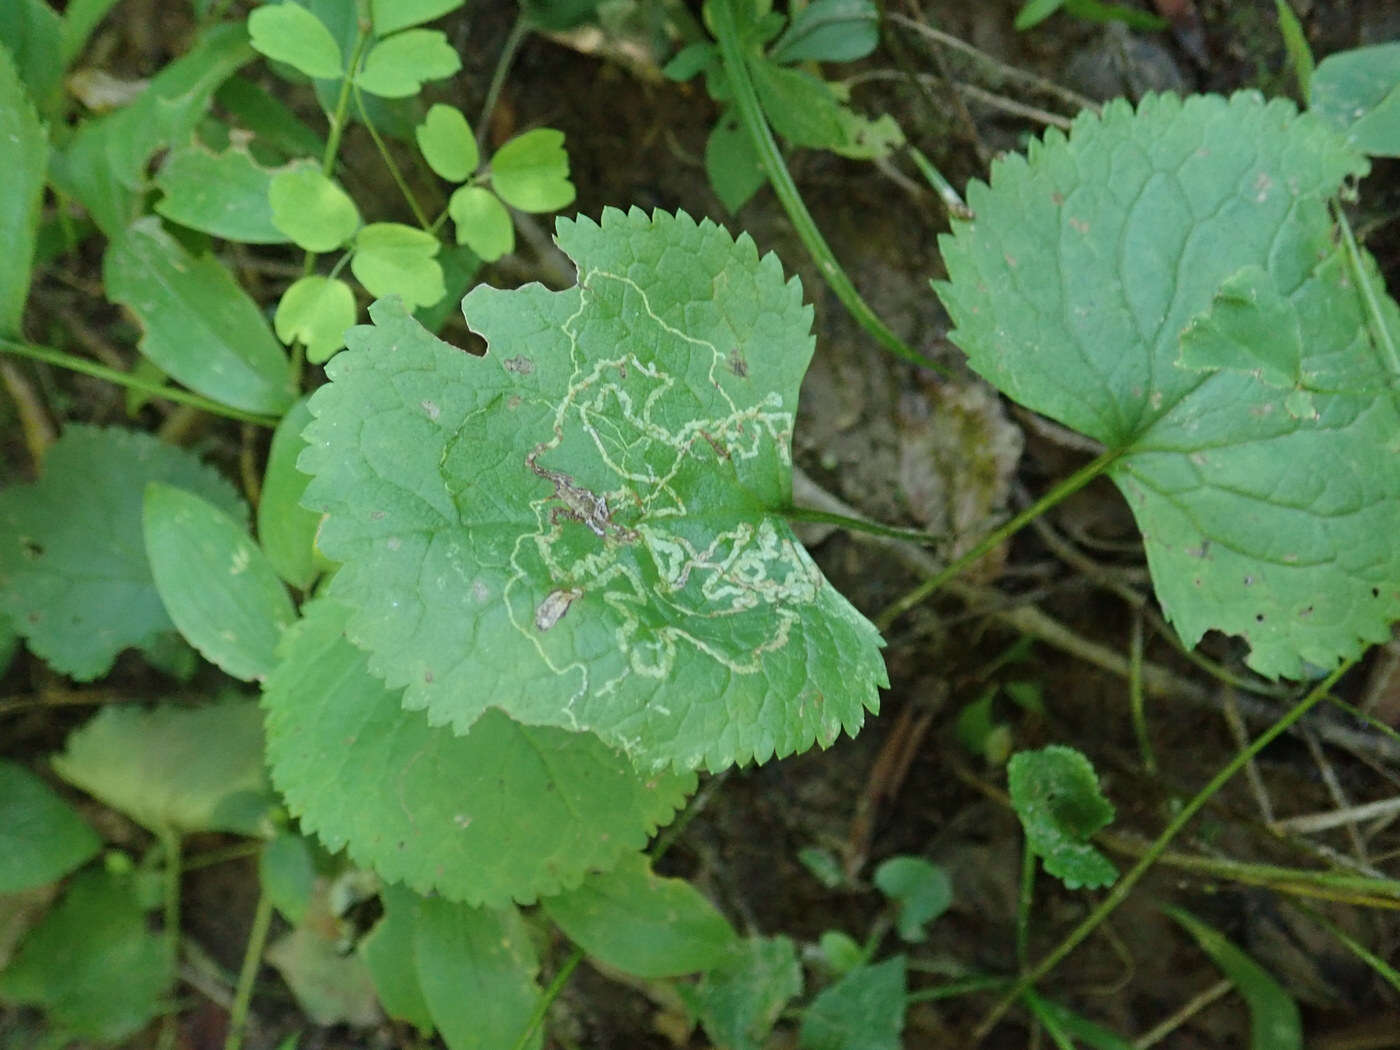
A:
<point x="330" y="985"/>
<point x="447" y="143"/>
<point x="642" y="923"/>
<point x="829" y="31"/>
<point x="531" y="171"/>
<point x="393" y="259"/>
<point x="451" y="822"/>
<point x="286" y="529"/>
<point x="1055" y="793"/>
<point x="740" y="999"/>
<point x="1358" y="93"/>
<point x="311" y="209"/>
<point x="175" y="769"/>
<point x="315" y="311"/>
<point x="74" y="579"/>
<point x="199" y="326"/>
<point x="400" y="65"/>
<point x="482" y="222"/>
<point x="224" y="194"/>
<point x="922" y="892"/>
<point x="21" y="192"/>
<point x="476" y="970"/>
<point x="1264" y="515"/>
<point x="840" y="951"/>
<point x="93" y="965"/>
<point x="288" y="32"/>
<point x="591" y="513"/>
<point x="217" y="585"/>
<point x="392" y="15"/>
<point x="388" y="951"/>
<point x="287" y="874"/>
<point x="1275" y="1022"/>
<point x="44" y="839"/>
<point x="865" y="1009"/>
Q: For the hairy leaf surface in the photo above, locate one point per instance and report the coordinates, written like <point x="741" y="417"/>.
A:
<point x="583" y="527"/>
<point x="446" y="811"/>
<point x="1129" y="281"/>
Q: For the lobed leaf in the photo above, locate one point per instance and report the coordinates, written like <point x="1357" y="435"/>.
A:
<point x="315" y="311"/>
<point x="1055" y="793"/>
<point x="531" y="171"/>
<point x="224" y="194"/>
<point x="1265" y="513"/>
<point x="393" y="259"/>
<point x="74" y="578"/>
<point x="311" y="209"/>
<point x="444" y="810"/>
<point x="288" y="32"/>
<point x="399" y="66"/>
<point x="198" y="325"/>
<point x="482" y="222"/>
<point x="584" y="528"/>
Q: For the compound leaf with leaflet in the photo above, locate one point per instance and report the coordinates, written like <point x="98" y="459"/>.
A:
<point x="584" y="527"/>
<point x="1128" y="281"/>
<point x="445" y="813"/>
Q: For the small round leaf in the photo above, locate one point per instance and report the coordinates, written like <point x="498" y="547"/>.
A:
<point x="447" y="143"/>
<point x="290" y="33"/>
<point x="531" y="171"/>
<point x="398" y="66"/>
<point x="312" y="210"/>
<point x="316" y="311"/>
<point x="483" y="224"/>
<point x="393" y="259"/>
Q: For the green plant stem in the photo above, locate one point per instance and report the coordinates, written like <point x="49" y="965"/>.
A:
<point x="518" y="32"/>
<point x="252" y="959"/>
<point x="996" y="537"/>
<point x="73" y="363"/>
<point x="418" y="214"/>
<point x="170" y="847"/>
<point x="1135" y="696"/>
<point x="873" y="528"/>
<point x="1124" y="886"/>
<point x="1380" y="330"/>
<point x="751" y="116"/>
<point x="549" y="995"/>
<point x="1023" y="906"/>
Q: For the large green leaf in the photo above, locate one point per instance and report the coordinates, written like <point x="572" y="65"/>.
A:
<point x="507" y="811"/>
<point x="1267" y="498"/>
<point x="41" y="838"/>
<point x="31" y="32"/>
<point x="175" y="769"/>
<point x="218" y="586"/>
<point x="641" y="923"/>
<point x="93" y="965"/>
<point x="476" y="971"/>
<point x="1358" y="92"/>
<point x="584" y="528"/>
<point x="73" y="572"/>
<point x="21" y="192"/>
<point x="200" y="327"/>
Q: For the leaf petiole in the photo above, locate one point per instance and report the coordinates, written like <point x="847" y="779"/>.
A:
<point x="73" y="363"/>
